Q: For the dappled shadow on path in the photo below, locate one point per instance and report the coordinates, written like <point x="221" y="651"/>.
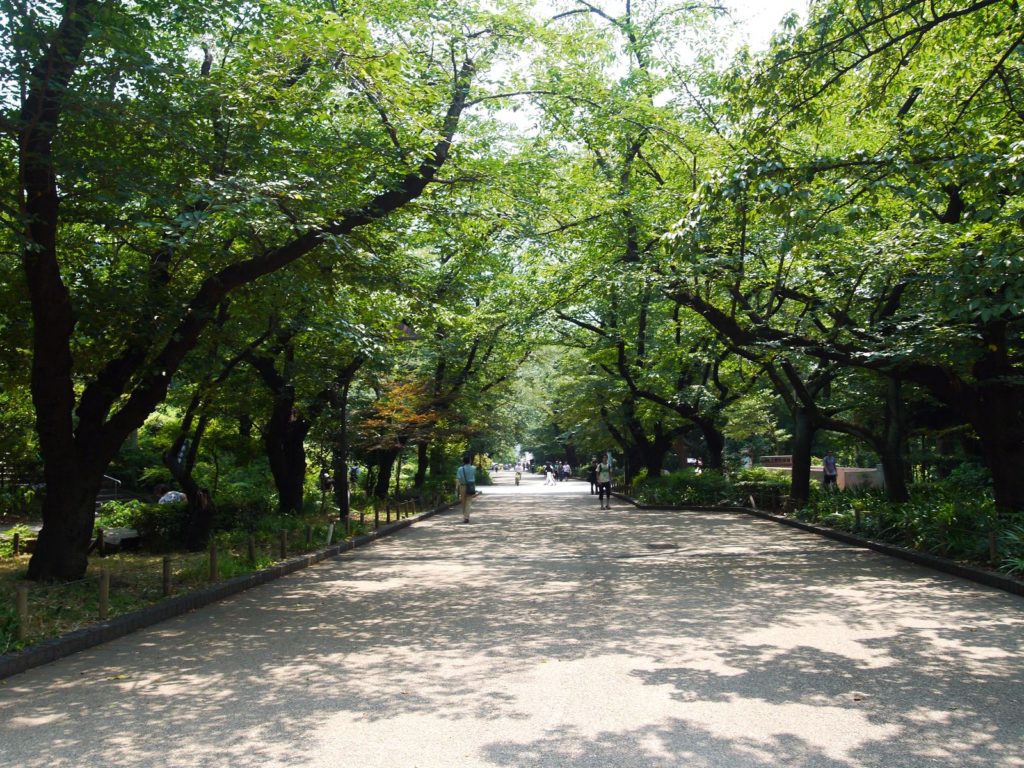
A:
<point x="550" y="633"/>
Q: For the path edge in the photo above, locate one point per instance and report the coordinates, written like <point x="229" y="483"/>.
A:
<point x="95" y="634"/>
<point x="978" y="575"/>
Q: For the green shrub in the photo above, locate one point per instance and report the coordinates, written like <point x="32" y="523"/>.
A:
<point x="685" y="487"/>
<point x="766" y="487"/>
<point x="21" y="500"/>
<point x="1011" y="546"/>
<point x="7" y="539"/>
<point x="120" y="514"/>
<point x="951" y="518"/>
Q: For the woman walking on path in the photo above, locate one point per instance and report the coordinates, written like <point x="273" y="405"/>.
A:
<point x="465" y="477"/>
<point x="604" y="483"/>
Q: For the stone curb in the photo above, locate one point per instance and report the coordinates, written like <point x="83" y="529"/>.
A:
<point x="978" y="575"/>
<point x="73" y="642"/>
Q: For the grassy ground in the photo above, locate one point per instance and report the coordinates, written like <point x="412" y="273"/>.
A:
<point x="136" y="581"/>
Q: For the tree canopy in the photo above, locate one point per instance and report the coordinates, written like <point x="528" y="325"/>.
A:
<point x="371" y="226"/>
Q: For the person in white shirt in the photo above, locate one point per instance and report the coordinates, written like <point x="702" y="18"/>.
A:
<point x="465" y="478"/>
<point x="604" y="483"/>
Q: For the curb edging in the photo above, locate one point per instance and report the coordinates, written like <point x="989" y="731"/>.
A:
<point x="55" y="648"/>
<point x="978" y="575"/>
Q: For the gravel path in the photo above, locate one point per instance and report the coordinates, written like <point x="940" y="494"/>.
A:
<point x="549" y="633"/>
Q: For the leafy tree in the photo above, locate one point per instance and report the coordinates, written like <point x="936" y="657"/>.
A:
<point x="302" y="126"/>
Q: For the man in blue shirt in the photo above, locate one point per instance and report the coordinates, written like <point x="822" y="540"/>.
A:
<point x="465" y="478"/>
<point x="830" y="473"/>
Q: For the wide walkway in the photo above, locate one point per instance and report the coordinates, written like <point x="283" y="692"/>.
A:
<point x="549" y="633"/>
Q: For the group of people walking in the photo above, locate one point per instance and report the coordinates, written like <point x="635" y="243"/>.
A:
<point x="599" y="474"/>
<point x="558" y="471"/>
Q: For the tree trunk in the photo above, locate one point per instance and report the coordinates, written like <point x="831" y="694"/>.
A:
<point x="340" y="463"/>
<point x="715" y="442"/>
<point x="69" y="513"/>
<point x="286" y="451"/>
<point x="385" y="460"/>
<point x="999" y="422"/>
<point x="422" y="463"/>
<point x="803" y="438"/>
<point x="893" y="448"/>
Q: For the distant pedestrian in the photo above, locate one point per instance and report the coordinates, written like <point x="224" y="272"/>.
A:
<point x="604" y="484"/>
<point x="830" y="473"/>
<point x="465" y="477"/>
<point x="549" y="474"/>
<point x="592" y="476"/>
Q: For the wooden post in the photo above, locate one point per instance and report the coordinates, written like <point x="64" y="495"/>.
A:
<point x="993" y="547"/>
<point x="16" y="544"/>
<point x="856" y="519"/>
<point x="284" y="543"/>
<point x="22" y="600"/>
<point x="214" y="571"/>
<point x="250" y="545"/>
<point x="330" y="534"/>
<point x="104" y="594"/>
<point x="376" y="516"/>
<point x="167" y="575"/>
<point x="309" y="535"/>
<point x="362" y="519"/>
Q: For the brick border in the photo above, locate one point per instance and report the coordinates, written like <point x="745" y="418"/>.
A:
<point x="102" y="632"/>
<point x="978" y="575"/>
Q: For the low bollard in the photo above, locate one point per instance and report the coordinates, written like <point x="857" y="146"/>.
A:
<point x="330" y="534"/>
<point x="16" y="544"/>
<point x="251" y="545"/>
<point x="376" y="517"/>
<point x="309" y="536"/>
<point x="284" y="544"/>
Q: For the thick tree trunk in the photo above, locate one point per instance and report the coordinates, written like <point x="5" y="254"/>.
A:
<point x="385" y="461"/>
<point x="715" y="442"/>
<point x="893" y="448"/>
<point x="803" y="438"/>
<point x="69" y="512"/>
<point x="999" y="422"/>
<point x="286" y="451"/>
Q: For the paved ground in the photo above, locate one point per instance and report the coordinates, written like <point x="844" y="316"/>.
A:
<point x="548" y="633"/>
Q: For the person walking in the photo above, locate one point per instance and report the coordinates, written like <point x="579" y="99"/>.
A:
<point x="604" y="483"/>
<point x="549" y="474"/>
<point x="592" y="476"/>
<point x="465" y="478"/>
<point x="830" y="473"/>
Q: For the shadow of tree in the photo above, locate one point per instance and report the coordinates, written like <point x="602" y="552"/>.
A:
<point x="549" y="633"/>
